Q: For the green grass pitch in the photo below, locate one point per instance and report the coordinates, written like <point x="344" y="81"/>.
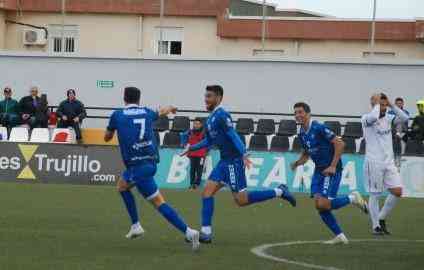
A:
<point x="67" y="227"/>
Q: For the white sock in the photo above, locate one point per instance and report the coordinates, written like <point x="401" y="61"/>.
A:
<point x="189" y="232"/>
<point x="278" y="192"/>
<point x="136" y="225"/>
<point x="374" y="209"/>
<point x="206" y="229"/>
<point x="389" y="204"/>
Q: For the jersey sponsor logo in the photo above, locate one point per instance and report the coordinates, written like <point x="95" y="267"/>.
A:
<point x="139" y="145"/>
<point x="134" y="111"/>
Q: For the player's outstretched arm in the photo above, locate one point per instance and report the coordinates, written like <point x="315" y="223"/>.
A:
<point x="167" y="110"/>
<point x="205" y="143"/>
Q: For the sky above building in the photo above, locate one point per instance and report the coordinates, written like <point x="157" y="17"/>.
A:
<point x="399" y="9"/>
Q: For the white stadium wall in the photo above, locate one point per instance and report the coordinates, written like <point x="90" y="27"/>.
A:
<point x="250" y="85"/>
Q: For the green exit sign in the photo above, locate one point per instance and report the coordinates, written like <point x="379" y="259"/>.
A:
<point x="105" y="84"/>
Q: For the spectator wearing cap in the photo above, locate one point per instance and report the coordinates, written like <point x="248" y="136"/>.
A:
<point x="9" y="109"/>
<point x="70" y="113"/>
<point x="34" y="109"/>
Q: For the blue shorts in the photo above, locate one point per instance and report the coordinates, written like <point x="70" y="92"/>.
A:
<point x="142" y="177"/>
<point x="230" y="173"/>
<point x="326" y="186"/>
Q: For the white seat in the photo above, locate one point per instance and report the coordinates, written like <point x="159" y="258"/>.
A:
<point x="63" y="135"/>
<point x="3" y="134"/>
<point x="19" y="134"/>
<point x="40" y="135"/>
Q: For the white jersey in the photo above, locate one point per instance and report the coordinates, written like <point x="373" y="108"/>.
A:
<point x="378" y="134"/>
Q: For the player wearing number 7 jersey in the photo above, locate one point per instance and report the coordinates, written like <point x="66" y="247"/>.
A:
<point x="134" y="125"/>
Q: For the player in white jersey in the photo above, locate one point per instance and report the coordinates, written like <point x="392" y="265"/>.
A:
<point x="380" y="170"/>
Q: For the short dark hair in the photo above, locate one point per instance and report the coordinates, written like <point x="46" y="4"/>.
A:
<point x="217" y="89"/>
<point x="383" y="96"/>
<point x="303" y="105"/>
<point x="399" y="99"/>
<point x="132" y="95"/>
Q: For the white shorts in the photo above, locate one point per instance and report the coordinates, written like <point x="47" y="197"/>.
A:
<point x="381" y="176"/>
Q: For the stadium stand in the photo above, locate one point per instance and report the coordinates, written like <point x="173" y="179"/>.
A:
<point x="258" y="142"/>
<point x="265" y="127"/>
<point x="280" y="144"/>
<point x="40" y="135"/>
<point x="3" y="134"/>
<point x="350" y="145"/>
<point x="19" y="134"/>
<point x="63" y="135"/>
<point x="162" y="124"/>
<point x="287" y="128"/>
<point x="353" y="129"/>
<point x="245" y="126"/>
<point x="180" y="123"/>
<point x="172" y="140"/>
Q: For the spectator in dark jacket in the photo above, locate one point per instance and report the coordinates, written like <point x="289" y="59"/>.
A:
<point x="9" y="110"/>
<point x="417" y="128"/>
<point x="70" y="113"/>
<point x="34" y="110"/>
<point x="197" y="158"/>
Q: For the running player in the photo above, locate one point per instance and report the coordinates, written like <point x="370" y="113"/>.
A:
<point x="325" y="149"/>
<point x="230" y="170"/>
<point x="380" y="170"/>
<point x="134" y="125"/>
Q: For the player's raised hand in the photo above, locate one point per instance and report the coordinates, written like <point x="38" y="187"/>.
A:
<point x="329" y="171"/>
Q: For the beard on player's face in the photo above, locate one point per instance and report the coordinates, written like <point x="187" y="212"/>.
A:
<point x="211" y="101"/>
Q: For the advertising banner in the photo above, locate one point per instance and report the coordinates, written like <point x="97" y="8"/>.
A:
<point x="102" y="165"/>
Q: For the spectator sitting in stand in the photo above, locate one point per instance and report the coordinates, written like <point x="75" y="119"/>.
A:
<point x="34" y="110"/>
<point x="70" y="113"/>
<point x="197" y="158"/>
<point x="9" y="110"/>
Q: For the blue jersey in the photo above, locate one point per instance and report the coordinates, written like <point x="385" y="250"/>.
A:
<point x="317" y="144"/>
<point x="220" y="132"/>
<point x="134" y="126"/>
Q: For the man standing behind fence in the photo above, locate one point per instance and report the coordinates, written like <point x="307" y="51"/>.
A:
<point x="197" y="158"/>
<point x="70" y="113"/>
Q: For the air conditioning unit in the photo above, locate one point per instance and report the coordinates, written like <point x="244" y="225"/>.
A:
<point x="34" y="37"/>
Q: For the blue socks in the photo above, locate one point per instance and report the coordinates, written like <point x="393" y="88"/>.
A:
<point x="331" y="222"/>
<point x="340" y="202"/>
<point x="207" y="211"/>
<point x="172" y="216"/>
<point x="129" y="201"/>
<point x="260" y="196"/>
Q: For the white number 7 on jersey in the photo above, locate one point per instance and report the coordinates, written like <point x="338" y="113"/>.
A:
<point x="141" y="122"/>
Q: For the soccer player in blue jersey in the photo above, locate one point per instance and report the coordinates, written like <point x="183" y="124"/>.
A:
<point x="230" y="170"/>
<point x="325" y="149"/>
<point x="134" y="125"/>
